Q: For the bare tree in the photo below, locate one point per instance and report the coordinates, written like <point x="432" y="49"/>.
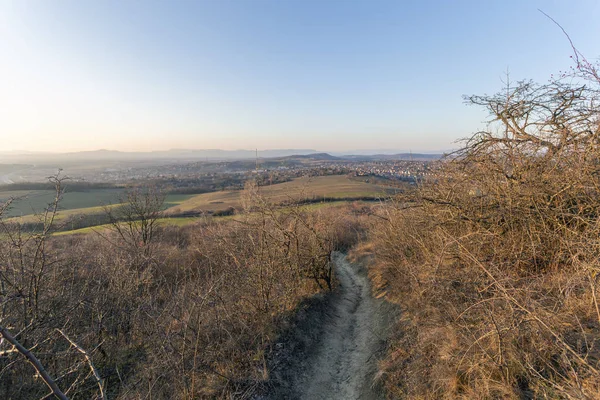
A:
<point x="302" y="238"/>
<point x="135" y="220"/>
<point x="24" y="265"/>
<point x="24" y="258"/>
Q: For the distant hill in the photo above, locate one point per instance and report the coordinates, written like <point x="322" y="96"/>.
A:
<point x="316" y="157"/>
<point x="400" y="156"/>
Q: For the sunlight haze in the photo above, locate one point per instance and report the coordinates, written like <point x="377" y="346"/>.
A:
<point x="329" y="75"/>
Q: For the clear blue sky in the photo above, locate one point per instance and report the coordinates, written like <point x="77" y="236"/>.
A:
<point x="327" y="74"/>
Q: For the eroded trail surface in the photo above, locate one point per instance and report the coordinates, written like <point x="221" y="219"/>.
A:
<point x="340" y="362"/>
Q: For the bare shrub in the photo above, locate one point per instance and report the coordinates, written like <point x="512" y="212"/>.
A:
<point x="495" y="258"/>
<point x="197" y="321"/>
<point x="32" y="282"/>
<point x="135" y="219"/>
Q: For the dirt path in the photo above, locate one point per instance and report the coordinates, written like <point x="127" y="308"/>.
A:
<point x="342" y="359"/>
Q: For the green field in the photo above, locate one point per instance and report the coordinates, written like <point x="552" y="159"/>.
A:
<point x="29" y="202"/>
<point x="178" y="221"/>
<point x="183" y="221"/>
<point x="35" y="201"/>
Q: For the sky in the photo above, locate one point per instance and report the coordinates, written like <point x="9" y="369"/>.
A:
<point x="330" y="75"/>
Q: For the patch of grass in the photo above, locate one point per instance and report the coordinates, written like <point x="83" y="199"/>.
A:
<point x="89" y="229"/>
<point x="30" y="202"/>
<point x="35" y="201"/>
<point x="173" y="200"/>
<point x="176" y="221"/>
<point x="65" y="214"/>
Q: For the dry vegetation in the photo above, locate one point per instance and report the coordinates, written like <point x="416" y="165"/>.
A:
<point x="159" y="312"/>
<point x="495" y="261"/>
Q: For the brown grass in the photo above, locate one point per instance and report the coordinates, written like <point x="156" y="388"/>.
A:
<point x="333" y="186"/>
<point x="495" y="260"/>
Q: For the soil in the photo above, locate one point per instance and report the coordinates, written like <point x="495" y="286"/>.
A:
<point x="331" y="352"/>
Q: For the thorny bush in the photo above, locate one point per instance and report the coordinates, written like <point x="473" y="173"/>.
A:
<point x="495" y="260"/>
<point x="192" y="317"/>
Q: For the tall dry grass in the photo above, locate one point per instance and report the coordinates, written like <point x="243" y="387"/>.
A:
<point x="495" y="260"/>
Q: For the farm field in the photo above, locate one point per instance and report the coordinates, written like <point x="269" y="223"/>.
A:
<point x="184" y="221"/>
<point x="176" y="221"/>
<point x="83" y="212"/>
<point x="333" y="186"/>
<point x="29" y="202"/>
<point x="34" y="201"/>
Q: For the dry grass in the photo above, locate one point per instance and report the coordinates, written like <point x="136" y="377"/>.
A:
<point x="334" y="186"/>
<point x="495" y="261"/>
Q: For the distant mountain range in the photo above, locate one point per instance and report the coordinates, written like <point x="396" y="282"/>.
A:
<point x="203" y="155"/>
<point x="364" y="157"/>
<point x="214" y="154"/>
<point x="174" y="154"/>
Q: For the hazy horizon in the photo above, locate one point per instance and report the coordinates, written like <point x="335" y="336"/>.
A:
<point x="291" y="151"/>
<point x="333" y="76"/>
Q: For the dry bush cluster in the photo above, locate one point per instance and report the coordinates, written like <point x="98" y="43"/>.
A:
<point x="186" y="313"/>
<point x="495" y="261"/>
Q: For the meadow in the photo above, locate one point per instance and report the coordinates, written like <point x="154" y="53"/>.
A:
<point x="27" y="203"/>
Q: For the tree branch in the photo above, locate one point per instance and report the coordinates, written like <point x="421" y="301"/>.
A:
<point x="34" y="362"/>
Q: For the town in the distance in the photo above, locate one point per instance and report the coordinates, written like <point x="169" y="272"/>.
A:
<point x="200" y="183"/>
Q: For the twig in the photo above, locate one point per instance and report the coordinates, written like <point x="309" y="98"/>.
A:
<point x="34" y="362"/>
<point x="97" y="376"/>
<point x="575" y="51"/>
